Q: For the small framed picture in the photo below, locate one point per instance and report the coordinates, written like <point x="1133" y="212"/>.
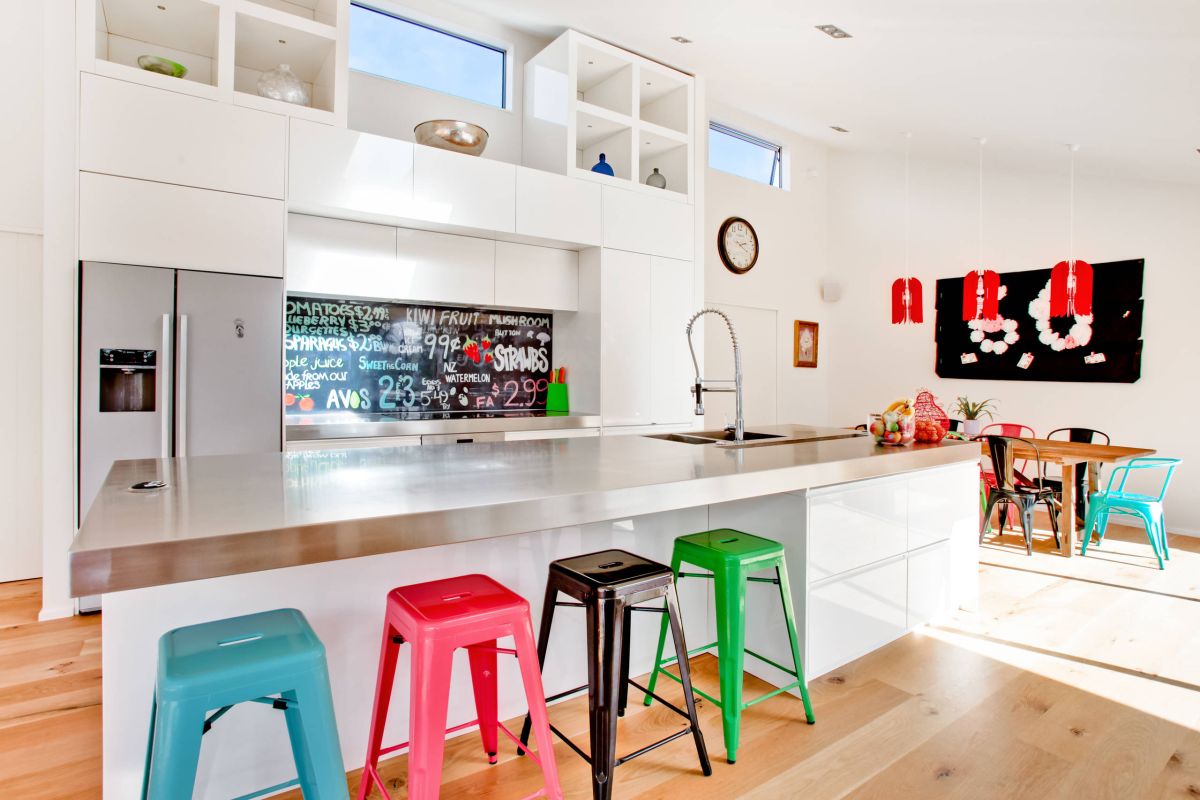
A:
<point x="804" y="351"/>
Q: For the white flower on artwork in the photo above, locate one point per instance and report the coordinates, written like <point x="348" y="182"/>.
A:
<point x="1079" y="335"/>
<point x="980" y="328"/>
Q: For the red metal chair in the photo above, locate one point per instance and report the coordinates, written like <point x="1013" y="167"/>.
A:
<point x="435" y="619"/>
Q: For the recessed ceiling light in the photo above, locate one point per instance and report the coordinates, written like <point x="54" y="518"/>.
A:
<point x="834" y="31"/>
<point x="161" y="8"/>
<point x="681" y="39"/>
<point x="839" y="129"/>
<point x="283" y="41"/>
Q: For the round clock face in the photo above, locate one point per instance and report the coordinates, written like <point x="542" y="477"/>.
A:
<point x="738" y="245"/>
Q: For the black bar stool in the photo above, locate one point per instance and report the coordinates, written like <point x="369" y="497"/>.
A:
<point x="608" y="584"/>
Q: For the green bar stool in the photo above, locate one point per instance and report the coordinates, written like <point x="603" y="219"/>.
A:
<point x="731" y="557"/>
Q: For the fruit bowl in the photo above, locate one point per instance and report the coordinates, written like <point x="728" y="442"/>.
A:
<point x="897" y="425"/>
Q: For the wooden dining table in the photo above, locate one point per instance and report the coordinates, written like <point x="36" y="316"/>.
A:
<point x="1069" y="456"/>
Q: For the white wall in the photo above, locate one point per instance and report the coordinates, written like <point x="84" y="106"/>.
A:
<point x="390" y="108"/>
<point x="20" y="285"/>
<point x="791" y="224"/>
<point x="870" y="361"/>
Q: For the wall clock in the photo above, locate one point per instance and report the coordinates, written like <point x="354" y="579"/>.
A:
<point x="737" y="244"/>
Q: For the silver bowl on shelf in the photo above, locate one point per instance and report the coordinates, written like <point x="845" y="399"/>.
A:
<point x="452" y="134"/>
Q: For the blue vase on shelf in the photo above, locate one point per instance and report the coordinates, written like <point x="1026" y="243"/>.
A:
<point x="602" y="166"/>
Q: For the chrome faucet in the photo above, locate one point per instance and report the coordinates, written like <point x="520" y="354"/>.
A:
<point x="739" y="427"/>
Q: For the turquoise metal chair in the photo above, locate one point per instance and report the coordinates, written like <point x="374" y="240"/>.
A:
<point x="1148" y="508"/>
<point x="274" y="658"/>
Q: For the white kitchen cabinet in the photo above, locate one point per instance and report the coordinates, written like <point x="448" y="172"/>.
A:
<point x="206" y="144"/>
<point x="556" y="207"/>
<point x="855" y="525"/>
<point x="935" y="507"/>
<point x="464" y="191"/>
<point x="536" y="277"/>
<point x="672" y="372"/>
<point x="341" y="258"/>
<point x="625" y="361"/>
<point x="643" y="223"/>
<point x="930" y="593"/>
<point x="161" y="225"/>
<point x="853" y="614"/>
<point x="443" y="267"/>
<point x="349" y="173"/>
<point x="569" y="433"/>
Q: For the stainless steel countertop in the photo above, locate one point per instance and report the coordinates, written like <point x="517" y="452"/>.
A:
<point x="225" y="515"/>
<point x="355" y="426"/>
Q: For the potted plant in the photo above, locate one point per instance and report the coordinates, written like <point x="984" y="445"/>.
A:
<point x="973" y="413"/>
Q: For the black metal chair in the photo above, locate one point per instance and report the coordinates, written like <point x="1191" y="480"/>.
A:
<point x="609" y="585"/>
<point x="1086" y="436"/>
<point x="1008" y="492"/>
<point x="955" y="424"/>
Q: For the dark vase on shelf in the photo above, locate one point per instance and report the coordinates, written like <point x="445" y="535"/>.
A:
<point x="602" y="166"/>
<point x="656" y="179"/>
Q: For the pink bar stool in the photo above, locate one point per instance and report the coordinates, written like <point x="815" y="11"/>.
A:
<point x="437" y="618"/>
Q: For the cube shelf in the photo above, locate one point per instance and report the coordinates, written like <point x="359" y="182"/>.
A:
<point x="263" y="44"/>
<point x="324" y="11"/>
<point x="184" y="31"/>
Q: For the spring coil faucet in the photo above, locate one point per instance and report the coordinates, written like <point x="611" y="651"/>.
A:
<point x="739" y="427"/>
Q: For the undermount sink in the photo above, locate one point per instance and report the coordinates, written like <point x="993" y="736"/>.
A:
<point x="725" y="440"/>
<point x="727" y="436"/>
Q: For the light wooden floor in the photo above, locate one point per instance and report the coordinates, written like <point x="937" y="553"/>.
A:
<point x="1076" y="679"/>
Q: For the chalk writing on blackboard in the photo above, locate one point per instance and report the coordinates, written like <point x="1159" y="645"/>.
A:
<point x="378" y="357"/>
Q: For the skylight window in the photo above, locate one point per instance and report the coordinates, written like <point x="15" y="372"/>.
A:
<point x="400" y="49"/>
<point x="739" y="153"/>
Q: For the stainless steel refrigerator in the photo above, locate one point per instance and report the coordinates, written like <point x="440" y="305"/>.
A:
<point x="176" y="363"/>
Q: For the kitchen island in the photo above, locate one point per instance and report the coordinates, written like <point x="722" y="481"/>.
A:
<point x="879" y="540"/>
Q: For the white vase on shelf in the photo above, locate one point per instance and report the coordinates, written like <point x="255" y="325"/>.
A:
<point x="971" y="427"/>
<point x="282" y="84"/>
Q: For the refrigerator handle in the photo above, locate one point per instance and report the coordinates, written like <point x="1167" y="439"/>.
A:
<point x="182" y="393"/>
<point x="167" y="385"/>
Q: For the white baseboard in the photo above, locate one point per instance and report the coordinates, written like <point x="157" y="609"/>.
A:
<point x="56" y="612"/>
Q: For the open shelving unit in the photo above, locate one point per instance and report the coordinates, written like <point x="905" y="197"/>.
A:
<point x="225" y="45"/>
<point x="584" y="97"/>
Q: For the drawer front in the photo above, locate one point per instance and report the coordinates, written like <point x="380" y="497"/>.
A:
<point x="929" y="584"/>
<point x="442" y="267"/>
<point x="159" y="225"/>
<point x="853" y="615"/>
<point x="642" y="223"/>
<point x="455" y="189"/>
<point x="153" y="134"/>
<point x="856" y="525"/>
<point x="942" y="503"/>
<point x="353" y="444"/>
<point x="553" y="206"/>
<point x="536" y="277"/>
<point x="338" y="170"/>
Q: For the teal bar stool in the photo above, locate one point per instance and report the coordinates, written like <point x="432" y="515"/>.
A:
<point x="731" y="557"/>
<point x="1146" y="507"/>
<point x="272" y="658"/>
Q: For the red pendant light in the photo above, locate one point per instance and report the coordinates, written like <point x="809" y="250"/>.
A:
<point x="981" y="295"/>
<point x="1071" y="280"/>
<point x="981" y="287"/>
<point x="906" y="291"/>
<point x="906" y="301"/>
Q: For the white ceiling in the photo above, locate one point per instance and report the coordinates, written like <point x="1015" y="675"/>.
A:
<point x="1120" y="78"/>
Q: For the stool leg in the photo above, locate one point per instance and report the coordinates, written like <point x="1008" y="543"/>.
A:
<point x="626" y="642"/>
<point x="543" y="643"/>
<point x="429" y="696"/>
<point x="177" y="730"/>
<point x="149" y="745"/>
<point x="388" y="652"/>
<point x="535" y="697"/>
<point x="730" y="590"/>
<point x="676" y="562"/>
<point x="605" y="623"/>
<point x="685" y="676"/>
<point x="789" y="613"/>
<point x="313" y="731"/>
<point x="483" y="679"/>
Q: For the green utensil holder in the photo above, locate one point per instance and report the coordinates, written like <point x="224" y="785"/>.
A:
<point x="556" y="398"/>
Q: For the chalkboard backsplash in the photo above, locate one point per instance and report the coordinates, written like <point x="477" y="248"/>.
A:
<point x="368" y="357"/>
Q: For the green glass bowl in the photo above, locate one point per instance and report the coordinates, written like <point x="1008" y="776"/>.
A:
<point x="163" y="66"/>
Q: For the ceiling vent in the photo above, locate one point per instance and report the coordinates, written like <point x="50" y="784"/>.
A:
<point x="833" y="31"/>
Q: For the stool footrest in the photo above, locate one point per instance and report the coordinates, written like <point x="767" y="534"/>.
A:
<point x="269" y="790"/>
<point x="709" y="575"/>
